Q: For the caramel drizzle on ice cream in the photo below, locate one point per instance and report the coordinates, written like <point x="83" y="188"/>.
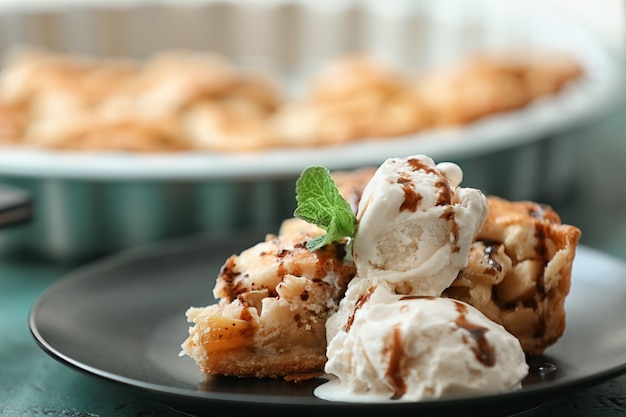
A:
<point x="445" y="194"/>
<point x="411" y="198"/>
<point x="484" y="351"/>
<point x="449" y="216"/>
<point x="393" y="345"/>
<point x="360" y="302"/>
<point x="418" y="165"/>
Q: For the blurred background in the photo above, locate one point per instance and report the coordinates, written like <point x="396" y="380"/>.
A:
<point x="567" y="151"/>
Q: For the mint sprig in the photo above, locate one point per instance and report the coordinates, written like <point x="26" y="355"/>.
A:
<point x="320" y="203"/>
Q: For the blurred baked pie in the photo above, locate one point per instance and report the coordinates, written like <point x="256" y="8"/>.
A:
<point x="483" y="85"/>
<point x="176" y="100"/>
<point x="183" y="100"/>
<point x="357" y="97"/>
<point x="351" y="99"/>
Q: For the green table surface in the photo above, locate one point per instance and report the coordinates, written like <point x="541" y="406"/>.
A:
<point x="33" y="384"/>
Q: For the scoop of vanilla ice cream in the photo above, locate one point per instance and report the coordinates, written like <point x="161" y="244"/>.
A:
<point x="416" y="225"/>
<point x="413" y="348"/>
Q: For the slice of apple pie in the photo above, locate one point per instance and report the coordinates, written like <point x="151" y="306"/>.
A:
<point x="519" y="271"/>
<point x="270" y="320"/>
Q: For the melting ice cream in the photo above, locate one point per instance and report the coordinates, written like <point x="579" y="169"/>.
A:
<point x="393" y="336"/>
<point x="414" y="348"/>
<point x="416" y="225"/>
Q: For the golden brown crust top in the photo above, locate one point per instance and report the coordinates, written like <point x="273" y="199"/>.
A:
<point x="270" y="319"/>
<point x="483" y="85"/>
<point x="179" y="100"/>
<point x="176" y="100"/>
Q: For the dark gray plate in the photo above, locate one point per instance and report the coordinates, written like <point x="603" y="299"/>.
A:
<point x="123" y="319"/>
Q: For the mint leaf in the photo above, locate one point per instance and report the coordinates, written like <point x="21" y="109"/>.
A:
<point x="320" y="203"/>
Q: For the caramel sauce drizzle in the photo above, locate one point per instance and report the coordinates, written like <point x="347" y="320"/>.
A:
<point x="412" y="199"/>
<point x="395" y="375"/>
<point x="484" y="351"/>
<point x="359" y="303"/>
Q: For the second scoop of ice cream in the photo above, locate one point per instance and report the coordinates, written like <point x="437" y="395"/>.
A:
<point x="413" y="348"/>
<point x="415" y="224"/>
